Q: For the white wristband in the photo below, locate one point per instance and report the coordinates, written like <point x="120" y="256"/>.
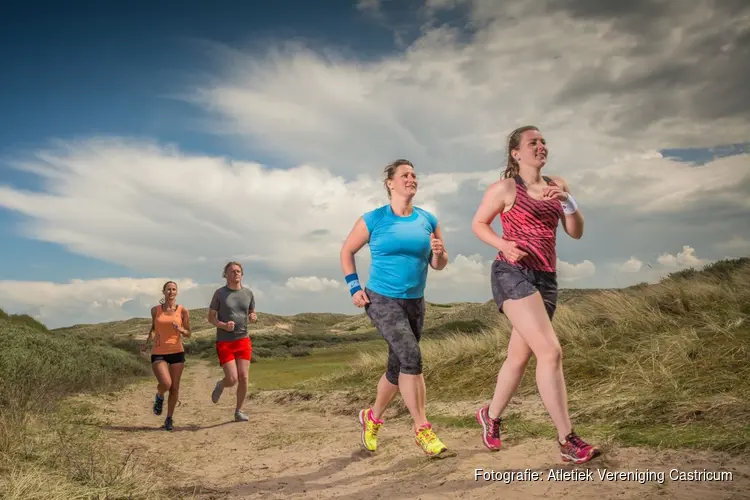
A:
<point x="570" y="206"/>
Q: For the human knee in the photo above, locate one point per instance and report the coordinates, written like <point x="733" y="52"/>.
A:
<point x="230" y="380"/>
<point x="165" y="385"/>
<point x="518" y="359"/>
<point x="412" y="362"/>
<point x="550" y="354"/>
<point x="242" y="378"/>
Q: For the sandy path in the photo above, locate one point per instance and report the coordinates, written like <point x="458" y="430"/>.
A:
<point x="288" y="451"/>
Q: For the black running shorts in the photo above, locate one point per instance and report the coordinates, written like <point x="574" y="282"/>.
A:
<point x="511" y="282"/>
<point x="171" y="359"/>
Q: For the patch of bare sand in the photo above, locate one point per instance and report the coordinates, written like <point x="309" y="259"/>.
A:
<point x="290" y="450"/>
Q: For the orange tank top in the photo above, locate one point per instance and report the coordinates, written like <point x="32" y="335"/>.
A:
<point x="167" y="340"/>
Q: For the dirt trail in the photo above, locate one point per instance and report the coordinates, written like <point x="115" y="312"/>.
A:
<point x="287" y="451"/>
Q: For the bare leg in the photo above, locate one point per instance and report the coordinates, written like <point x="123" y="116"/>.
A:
<point x="175" y="372"/>
<point x="230" y="373"/>
<point x="530" y="320"/>
<point x="510" y="374"/>
<point x="386" y="393"/>
<point x="243" y="366"/>
<point x="164" y="381"/>
<point x="413" y="392"/>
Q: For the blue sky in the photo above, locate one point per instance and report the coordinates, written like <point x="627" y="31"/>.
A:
<point x="90" y="68"/>
<point x="107" y="96"/>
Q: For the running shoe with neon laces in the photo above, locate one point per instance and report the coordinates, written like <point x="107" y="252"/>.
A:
<point x="429" y="442"/>
<point x="370" y="427"/>
<point x="158" y="404"/>
<point x="491" y="428"/>
<point x="577" y="450"/>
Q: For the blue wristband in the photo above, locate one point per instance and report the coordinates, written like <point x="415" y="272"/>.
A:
<point x="353" y="281"/>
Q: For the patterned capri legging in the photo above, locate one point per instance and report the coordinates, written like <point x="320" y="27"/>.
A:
<point x="400" y="322"/>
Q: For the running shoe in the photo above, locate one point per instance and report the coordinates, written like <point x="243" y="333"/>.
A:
<point x="239" y="416"/>
<point x="577" y="450"/>
<point x="218" y="389"/>
<point x="429" y="442"/>
<point x="491" y="428"/>
<point x="158" y="404"/>
<point x="168" y="424"/>
<point x="370" y="428"/>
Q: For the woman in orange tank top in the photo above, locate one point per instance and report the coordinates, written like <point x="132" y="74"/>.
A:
<point x="169" y="323"/>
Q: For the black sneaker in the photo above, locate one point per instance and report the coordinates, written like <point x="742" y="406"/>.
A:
<point x="168" y="424"/>
<point x="158" y="404"/>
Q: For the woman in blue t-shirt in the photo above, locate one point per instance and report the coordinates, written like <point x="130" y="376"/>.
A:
<point x="403" y="240"/>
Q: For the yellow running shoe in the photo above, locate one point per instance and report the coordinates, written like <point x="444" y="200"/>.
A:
<point x="429" y="442"/>
<point x="370" y="428"/>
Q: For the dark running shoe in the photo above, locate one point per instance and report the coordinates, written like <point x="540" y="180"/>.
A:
<point x="158" y="404"/>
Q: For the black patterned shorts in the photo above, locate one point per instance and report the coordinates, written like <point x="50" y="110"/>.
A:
<point x="511" y="282"/>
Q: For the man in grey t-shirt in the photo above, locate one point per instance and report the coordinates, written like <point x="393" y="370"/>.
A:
<point x="232" y="308"/>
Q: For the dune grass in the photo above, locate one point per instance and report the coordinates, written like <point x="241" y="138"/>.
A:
<point x="659" y="365"/>
<point x="664" y="364"/>
<point x="45" y="452"/>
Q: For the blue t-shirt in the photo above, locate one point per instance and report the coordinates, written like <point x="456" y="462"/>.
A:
<point x="400" y="251"/>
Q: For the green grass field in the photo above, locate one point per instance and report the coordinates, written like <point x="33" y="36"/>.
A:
<point x="661" y="365"/>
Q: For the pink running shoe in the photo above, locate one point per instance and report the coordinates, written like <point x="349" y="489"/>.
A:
<point x="490" y="429"/>
<point x="577" y="450"/>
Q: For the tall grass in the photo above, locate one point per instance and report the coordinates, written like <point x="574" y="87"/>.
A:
<point x="658" y="364"/>
<point x="45" y="451"/>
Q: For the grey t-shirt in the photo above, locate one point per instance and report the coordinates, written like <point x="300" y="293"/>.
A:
<point x="232" y="305"/>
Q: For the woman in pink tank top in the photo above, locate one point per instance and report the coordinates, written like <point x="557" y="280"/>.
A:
<point x="524" y="283"/>
<point x="169" y="323"/>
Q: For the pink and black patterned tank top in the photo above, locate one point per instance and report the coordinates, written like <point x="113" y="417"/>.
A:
<point x="532" y="225"/>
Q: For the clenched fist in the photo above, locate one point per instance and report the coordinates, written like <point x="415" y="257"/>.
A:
<point x="554" y="193"/>
<point x="436" y="245"/>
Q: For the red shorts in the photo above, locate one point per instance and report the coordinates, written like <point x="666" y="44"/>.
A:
<point x="234" y="349"/>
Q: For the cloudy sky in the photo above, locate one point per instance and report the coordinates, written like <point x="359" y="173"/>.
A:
<point x="153" y="141"/>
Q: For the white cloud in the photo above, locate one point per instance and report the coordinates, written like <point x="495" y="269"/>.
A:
<point x="91" y="301"/>
<point x="449" y="100"/>
<point x="651" y="183"/>
<point x="462" y="271"/>
<point x="311" y="284"/>
<point x="682" y="260"/>
<point x="569" y="273"/>
<point x="150" y="207"/>
<point x="447" y="103"/>
<point x="147" y="207"/>
<point x="637" y="270"/>
<point x="633" y="265"/>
